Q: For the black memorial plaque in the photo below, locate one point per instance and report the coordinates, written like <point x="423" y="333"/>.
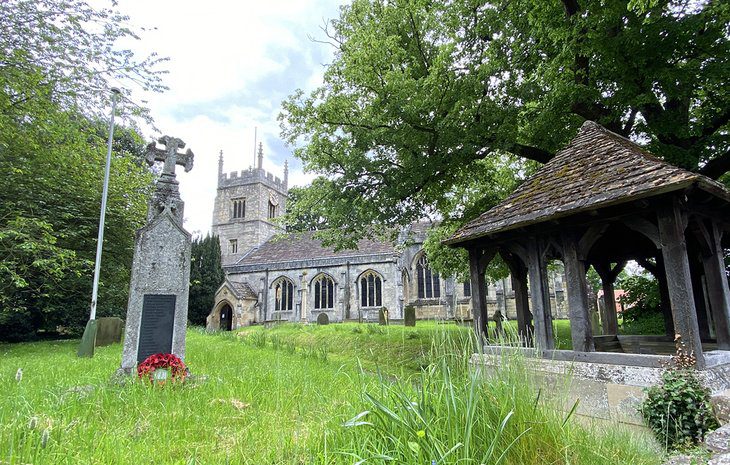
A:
<point x="155" y="331"/>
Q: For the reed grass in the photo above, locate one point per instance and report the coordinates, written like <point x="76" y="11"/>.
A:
<point x="337" y="394"/>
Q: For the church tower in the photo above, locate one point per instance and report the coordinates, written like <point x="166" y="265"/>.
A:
<point x="246" y="205"/>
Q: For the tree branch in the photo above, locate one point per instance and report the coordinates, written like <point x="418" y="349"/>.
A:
<point x="571" y="7"/>
<point x="717" y="166"/>
<point x="531" y="153"/>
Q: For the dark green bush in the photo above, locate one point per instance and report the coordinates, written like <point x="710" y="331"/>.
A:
<point x="678" y="411"/>
<point x="651" y="323"/>
<point x="642" y="303"/>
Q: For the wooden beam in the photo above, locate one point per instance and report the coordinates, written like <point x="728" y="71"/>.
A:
<point x="518" y="274"/>
<point x="717" y="288"/>
<point x="539" y="296"/>
<point x="645" y="227"/>
<point x="609" y="318"/>
<point x="478" y="261"/>
<point x="575" y="276"/>
<point x="589" y="238"/>
<point x="679" y="281"/>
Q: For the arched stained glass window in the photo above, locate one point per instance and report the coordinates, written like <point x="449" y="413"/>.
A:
<point x="371" y="290"/>
<point x="429" y="285"/>
<point x="283" y="295"/>
<point x="324" y="292"/>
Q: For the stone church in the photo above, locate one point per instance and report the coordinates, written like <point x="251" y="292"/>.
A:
<point x="276" y="276"/>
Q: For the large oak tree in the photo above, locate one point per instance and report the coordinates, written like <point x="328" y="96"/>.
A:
<point x="442" y="106"/>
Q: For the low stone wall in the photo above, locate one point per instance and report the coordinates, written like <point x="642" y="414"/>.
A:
<point x="603" y="389"/>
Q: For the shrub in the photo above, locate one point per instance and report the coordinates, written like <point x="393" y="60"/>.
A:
<point x="652" y="323"/>
<point x="643" y="305"/>
<point x="678" y="411"/>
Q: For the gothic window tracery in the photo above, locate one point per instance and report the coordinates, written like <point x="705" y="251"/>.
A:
<point x="429" y="284"/>
<point x="371" y="290"/>
<point x="273" y="206"/>
<point x="239" y="208"/>
<point x="324" y="292"/>
<point x="283" y="295"/>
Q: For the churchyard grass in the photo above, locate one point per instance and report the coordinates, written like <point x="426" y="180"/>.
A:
<point x="295" y="398"/>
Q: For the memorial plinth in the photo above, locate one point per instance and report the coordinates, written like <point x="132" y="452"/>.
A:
<point x="157" y="310"/>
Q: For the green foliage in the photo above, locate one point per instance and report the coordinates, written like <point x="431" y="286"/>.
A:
<point x="300" y="215"/>
<point x="66" y="51"/>
<point x="642" y="303"/>
<point x="49" y="212"/>
<point x="267" y="406"/>
<point x="56" y="62"/>
<point x="34" y="276"/>
<point x="440" y="108"/>
<point x="678" y="411"/>
<point x="206" y="276"/>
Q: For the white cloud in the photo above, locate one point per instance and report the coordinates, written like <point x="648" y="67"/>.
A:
<point x="230" y="65"/>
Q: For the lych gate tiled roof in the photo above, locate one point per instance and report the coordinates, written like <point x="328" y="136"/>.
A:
<point x="303" y="246"/>
<point x="598" y="168"/>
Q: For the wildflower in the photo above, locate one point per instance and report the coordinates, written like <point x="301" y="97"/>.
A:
<point x="44" y="438"/>
<point x="19" y="375"/>
<point x="421" y="434"/>
<point x="33" y="422"/>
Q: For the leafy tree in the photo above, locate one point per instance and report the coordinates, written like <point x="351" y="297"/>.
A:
<point x="57" y="60"/>
<point x="300" y="216"/>
<point x="206" y="276"/>
<point x="66" y="51"/>
<point x="423" y="96"/>
<point x="49" y="212"/>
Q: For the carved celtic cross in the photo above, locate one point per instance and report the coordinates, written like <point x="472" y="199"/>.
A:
<point x="170" y="155"/>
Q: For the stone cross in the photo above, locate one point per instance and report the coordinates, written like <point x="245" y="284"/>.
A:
<point x="170" y="155"/>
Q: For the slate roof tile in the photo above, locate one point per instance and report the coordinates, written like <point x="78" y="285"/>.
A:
<point x="596" y="169"/>
<point x="294" y="247"/>
<point x="243" y="290"/>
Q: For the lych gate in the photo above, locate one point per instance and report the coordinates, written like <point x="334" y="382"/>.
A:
<point x="601" y="202"/>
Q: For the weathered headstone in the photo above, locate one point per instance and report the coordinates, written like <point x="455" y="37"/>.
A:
<point x="157" y="311"/>
<point x="323" y="319"/>
<point x="383" y="316"/>
<point x="409" y="315"/>
<point x="109" y="330"/>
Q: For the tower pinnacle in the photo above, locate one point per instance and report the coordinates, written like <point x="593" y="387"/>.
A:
<point x="286" y="173"/>
<point x="261" y="155"/>
<point x="220" y="163"/>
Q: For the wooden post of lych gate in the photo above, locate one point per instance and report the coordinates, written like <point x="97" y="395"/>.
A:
<point x="539" y="297"/>
<point x="679" y="282"/>
<point x="575" y="276"/>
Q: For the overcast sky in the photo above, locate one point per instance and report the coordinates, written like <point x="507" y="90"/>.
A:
<point x="231" y="64"/>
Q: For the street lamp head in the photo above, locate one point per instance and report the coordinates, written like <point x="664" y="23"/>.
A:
<point x="116" y="91"/>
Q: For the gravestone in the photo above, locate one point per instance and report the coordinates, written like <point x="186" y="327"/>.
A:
<point x="323" y="319"/>
<point x="383" y="316"/>
<point x="108" y="331"/>
<point x="157" y="311"/>
<point x="409" y="315"/>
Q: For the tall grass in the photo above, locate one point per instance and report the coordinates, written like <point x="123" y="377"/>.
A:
<point x="332" y="395"/>
<point x="454" y="413"/>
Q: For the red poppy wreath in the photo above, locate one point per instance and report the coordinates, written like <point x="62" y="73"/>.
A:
<point x="169" y="362"/>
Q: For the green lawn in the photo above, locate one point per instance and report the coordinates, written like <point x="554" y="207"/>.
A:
<point x="282" y="396"/>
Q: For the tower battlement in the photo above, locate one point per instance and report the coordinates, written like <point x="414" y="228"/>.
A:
<point x="252" y="176"/>
<point x="246" y="207"/>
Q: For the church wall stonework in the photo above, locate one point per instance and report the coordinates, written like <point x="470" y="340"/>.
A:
<point x="397" y="269"/>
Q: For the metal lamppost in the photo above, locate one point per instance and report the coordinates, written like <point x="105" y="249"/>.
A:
<point x="88" y="340"/>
